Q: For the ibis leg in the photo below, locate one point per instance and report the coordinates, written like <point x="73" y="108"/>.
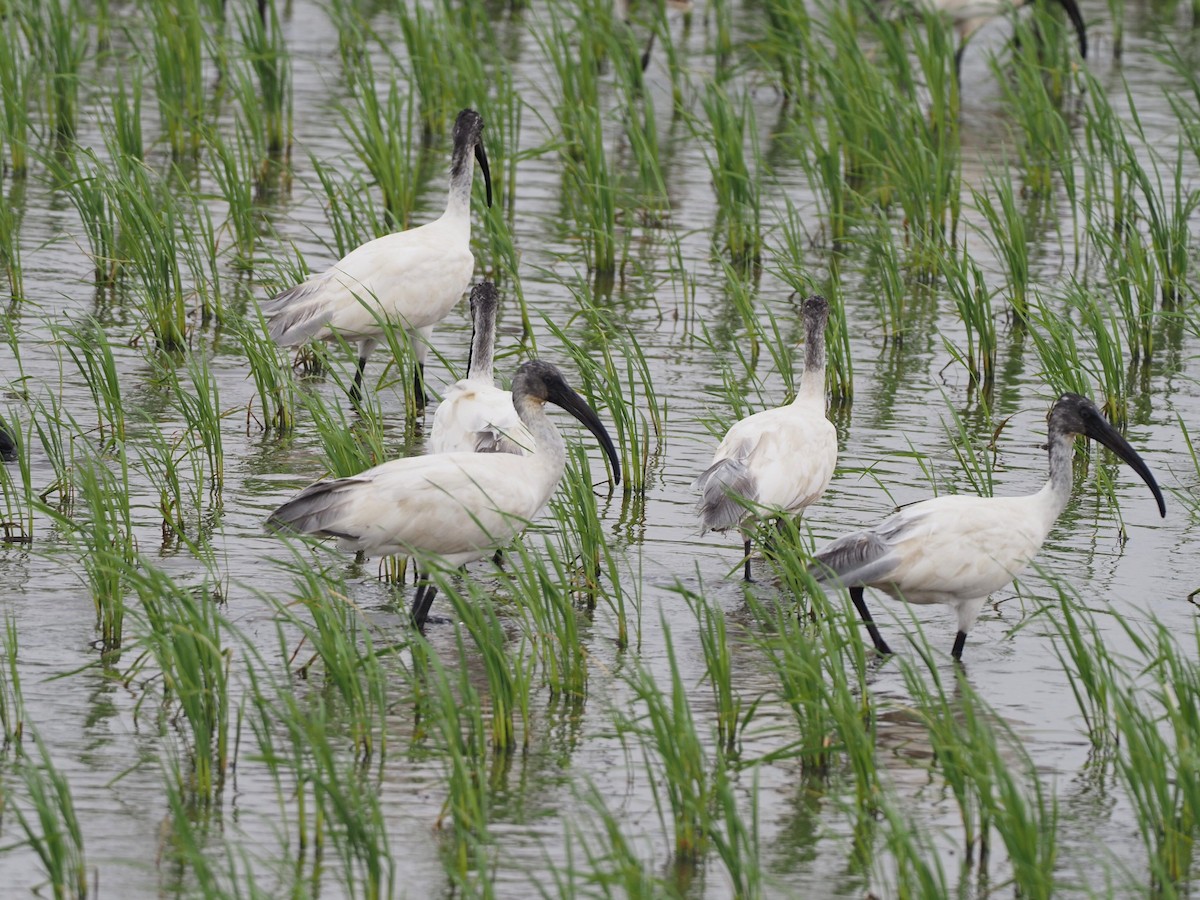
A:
<point x="422" y="602"/>
<point x="960" y="640"/>
<point x="356" y="388"/>
<point x="747" y="563"/>
<point x="856" y="595"/>
<point x="419" y="386"/>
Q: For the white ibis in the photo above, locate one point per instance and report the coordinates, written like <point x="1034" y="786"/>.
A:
<point x="779" y="461"/>
<point x="476" y="416"/>
<point x="458" y="507"/>
<point x="956" y="550"/>
<point x="969" y="16"/>
<point x="410" y="278"/>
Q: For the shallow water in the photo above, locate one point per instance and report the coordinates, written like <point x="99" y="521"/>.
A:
<point x="110" y="750"/>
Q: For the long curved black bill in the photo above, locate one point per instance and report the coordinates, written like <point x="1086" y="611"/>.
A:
<point x="1099" y="429"/>
<point x="481" y="155"/>
<point x="578" y="407"/>
<point x="1076" y="20"/>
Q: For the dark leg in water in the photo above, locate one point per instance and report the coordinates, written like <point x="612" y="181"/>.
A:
<point x="746" y="546"/>
<point x="960" y="640"/>
<point x="856" y="595"/>
<point x="356" y="388"/>
<point x="419" y="386"/>
<point x="422" y="602"/>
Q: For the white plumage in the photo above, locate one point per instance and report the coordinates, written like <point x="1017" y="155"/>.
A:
<point x="410" y="279"/>
<point x="957" y="550"/>
<point x="779" y="461"/>
<point x="476" y="416"/>
<point x="969" y="16"/>
<point x="457" y="507"/>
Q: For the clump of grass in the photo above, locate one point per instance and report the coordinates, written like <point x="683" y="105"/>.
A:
<point x="12" y="701"/>
<point x="1007" y="232"/>
<point x="739" y="202"/>
<point x="51" y="825"/>
<point x="89" y="348"/>
<point x="1045" y="144"/>
<point x="18" y="82"/>
<point x="672" y="748"/>
<point x="270" y="367"/>
<point x="266" y="53"/>
<point x="179" y="56"/>
<point x="965" y="283"/>
<point x="66" y="39"/>
<point x="88" y="186"/>
<point x="380" y="128"/>
<point x="17" y="492"/>
<point x="183" y="638"/>
<point x="718" y="661"/>
<point x="11" y="216"/>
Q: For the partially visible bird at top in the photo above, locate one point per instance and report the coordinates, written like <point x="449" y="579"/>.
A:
<point x="777" y="462"/>
<point x="476" y="416"/>
<point x="958" y="549"/>
<point x="8" y="446"/>
<point x="456" y="507"/>
<point x="409" y="279"/>
<point x="969" y="16"/>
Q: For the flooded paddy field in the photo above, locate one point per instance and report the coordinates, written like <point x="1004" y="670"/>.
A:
<point x="194" y="706"/>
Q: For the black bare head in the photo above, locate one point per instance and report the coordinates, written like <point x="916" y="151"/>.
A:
<point x="468" y="137"/>
<point x="1077" y="21"/>
<point x="816" y="315"/>
<point x="1073" y="414"/>
<point x="540" y="381"/>
<point x="484" y="300"/>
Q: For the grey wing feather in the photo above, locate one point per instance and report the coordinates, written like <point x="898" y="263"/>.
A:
<point x="488" y="441"/>
<point x="317" y="509"/>
<point x="295" y="315"/>
<point x="727" y="488"/>
<point x="855" y="559"/>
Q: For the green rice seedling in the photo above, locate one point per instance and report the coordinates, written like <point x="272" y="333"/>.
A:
<point x="1053" y="335"/>
<point x="380" y="130"/>
<point x="88" y="346"/>
<point x="149" y="221"/>
<point x="964" y="282"/>
<point x="18" y="83"/>
<point x="12" y="702"/>
<point x="349" y="448"/>
<point x="266" y="52"/>
<point x="56" y="428"/>
<point x="458" y="720"/>
<point x="786" y="47"/>
<point x="1033" y="103"/>
<point x="1095" y="676"/>
<point x="610" y="860"/>
<point x="50" y="823"/>
<point x="913" y="864"/>
<point x="1168" y="211"/>
<point x="1156" y="770"/>
<point x="11" y="215"/>
<point x="163" y="458"/>
<point x="739" y="203"/>
<point x="614" y="381"/>
<point x="540" y="585"/>
<point x="339" y="638"/>
<point x="66" y="39"/>
<point x="352" y="218"/>
<point x="734" y="839"/>
<point x="201" y="408"/>
<point x="714" y="641"/>
<point x="235" y="168"/>
<point x="17" y="492"/>
<point x="124" y="130"/>
<point x="1007" y="233"/>
<point x="179" y="56"/>
<point x="590" y="192"/>
<point x="182" y="635"/>
<point x="509" y="670"/>
<point x="574" y="507"/>
<point x="1099" y="318"/>
<point x="103" y="536"/>
<point x="1133" y="280"/>
<point x="975" y="466"/>
<point x="87" y="184"/>
<point x="270" y="367"/>
<point x="674" y="753"/>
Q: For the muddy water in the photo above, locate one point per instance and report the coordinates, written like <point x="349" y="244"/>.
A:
<point x="112" y="756"/>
